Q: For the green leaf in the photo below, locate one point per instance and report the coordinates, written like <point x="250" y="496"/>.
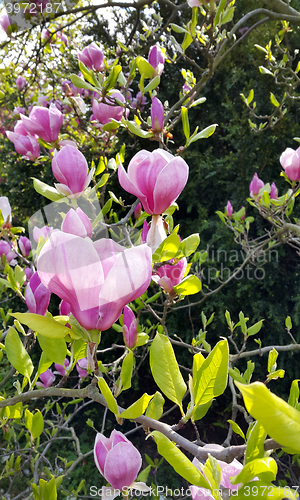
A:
<point x="54" y="349"/>
<point x="81" y="84"/>
<point x="165" y="370"/>
<point x="138" y="408"/>
<point x="44" y="364"/>
<point x="272" y="360"/>
<point x="186" y="41"/>
<point x="44" y="325"/>
<point x="227" y="17"/>
<point x="189" y="245"/>
<point x="14" y="411"/>
<point x="142" y="339"/>
<point x="280" y="420"/>
<point x="200" y="411"/>
<point x="294" y="394"/>
<point x="46" y="191"/>
<point x="103" y="180"/>
<point x="105" y="390"/>
<point x="145" y="67"/>
<point x="211" y="379"/>
<point x="28" y="419"/>
<point x="255" y="443"/>
<point x="263" y="468"/>
<point x="167" y="249"/>
<point x="288" y="323"/>
<point x="180" y="463"/>
<point x="156" y="406"/>
<point x="236" y="428"/>
<point x="188" y="286"/>
<point x="265" y="71"/>
<point x="178" y="29"/>
<point x="274" y="100"/>
<point x="185" y="122"/>
<point x="137" y="130"/>
<point x="220" y="10"/>
<point x="205" y="133"/>
<point x="17" y="354"/>
<point x="153" y="84"/>
<point x="254" y="329"/>
<point x="126" y="371"/>
<point x="88" y="74"/>
<point x="37" y="424"/>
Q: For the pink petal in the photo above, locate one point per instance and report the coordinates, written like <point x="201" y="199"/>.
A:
<point x="122" y="465"/>
<point x="170" y="182"/>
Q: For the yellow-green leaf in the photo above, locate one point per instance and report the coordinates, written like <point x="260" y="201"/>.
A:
<point x="138" y="408"/>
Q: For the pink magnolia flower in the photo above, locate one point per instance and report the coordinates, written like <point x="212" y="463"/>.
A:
<point x="117" y="459"/>
<point x="113" y="276"/>
<point x="37" y="296"/>
<point x="47" y="379"/>
<point x="5" y="22"/>
<point x="290" y="161"/>
<point x="24" y="245"/>
<point x="227" y="470"/>
<point x="61" y="369"/>
<point x="156" y="59"/>
<point x="255" y="185"/>
<point x="6" y="249"/>
<point x="5" y="208"/>
<point x="92" y="57"/>
<point x="44" y="122"/>
<point x="44" y="231"/>
<point x="77" y="222"/>
<point x="274" y="191"/>
<point x="27" y="146"/>
<point x="70" y="168"/>
<point x="28" y="272"/>
<point x="156" y="178"/>
<point x="19" y="111"/>
<point x="139" y="101"/>
<point x="157" y="115"/>
<point x="20" y="129"/>
<point x="229" y="209"/>
<point x="130" y="327"/>
<point x="138" y="211"/>
<point x="21" y="82"/>
<point x="105" y="111"/>
<point x="81" y="367"/>
<point x="168" y="276"/>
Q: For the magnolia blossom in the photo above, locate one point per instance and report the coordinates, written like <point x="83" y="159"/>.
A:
<point x="96" y="278"/>
<point x="37" y="296"/>
<point x="24" y="245"/>
<point x="119" y="462"/>
<point x="157" y="115"/>
<point x="290" y="161"/>
<point x="130" y="327"/>
<point x="273" y="192"/>
<point x="168" y="276"/>
<point x="6" y="249"/>
<point x="5" y="208"/>
<point x="92" y="57"/>
<point x="43" y="232"/>
<point x="156" y="178"/>
<point x="227" y="471"/>
<point x="28" y="272"/>
<point x="255" y="185"/>
<point x="5" y="22"/>
<point x="105" y="111"/>
<point x="77" y="222"/>
<point x="138" y="211"/>
<point x="61" y="369"/>
<point x="44" y="122"/>
<point x="70" y="168"/>
<point x="229" y="209"/>
<point x="81" y="367"/>
<point x="21" y="82"/>
<point x="156" y="59"/>
<point x="27" y="146"/>
<point x="139" y="101"/>
<point x="47" y="379"/>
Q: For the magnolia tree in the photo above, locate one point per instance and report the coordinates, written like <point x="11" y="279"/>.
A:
<point x="122" y="266"/>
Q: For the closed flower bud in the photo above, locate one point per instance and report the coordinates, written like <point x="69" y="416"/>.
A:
<point x="105" y="111"/>
<point x="37" y="296"/>
<point x="70" y="168"/>
<point x="6" y="249"/>
<point x="21" y="82"/>
<point x="81" y="367"/>
<point x="274" y="191"/>
<point x="156" y="59"/>
<point x="229" y="209"/>
<point x="92" y="57"/>
<point x="130" y="327"/>
<point x="24" y="245"/>
<point x="5" y="208"/>
<point x="77" y="222"/>
<point x="255" y="185"/>
<point x="157" y="115"/>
